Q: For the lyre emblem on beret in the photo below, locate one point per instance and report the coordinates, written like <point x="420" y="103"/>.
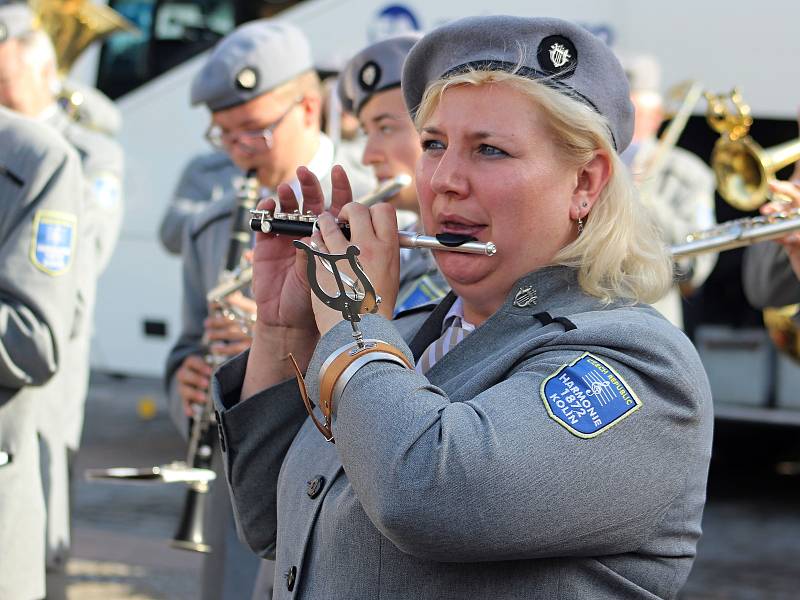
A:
<point x="369" y="76"/>
<point x="525" y="297"/>
<point x="3" y="32"/>
<point x="557" y="55"/>
<point x="247" y="78"/>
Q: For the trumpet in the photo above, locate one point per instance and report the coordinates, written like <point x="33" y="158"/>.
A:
<point x="303" y="224"/>
<point x="741" y="166"/>
<point x="739" y="233"/>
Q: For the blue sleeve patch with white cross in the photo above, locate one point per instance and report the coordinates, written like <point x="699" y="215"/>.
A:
<point x="587" y="396"/>
<point x="53" y="242"/>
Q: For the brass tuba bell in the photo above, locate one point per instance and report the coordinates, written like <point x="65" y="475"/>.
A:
<point x="74" y="24"/>
<point x="741" y="166"/>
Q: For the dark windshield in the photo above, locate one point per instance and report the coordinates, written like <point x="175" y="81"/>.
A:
<point x="170" y="32"/>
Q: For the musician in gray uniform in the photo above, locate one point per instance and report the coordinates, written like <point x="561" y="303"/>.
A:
<point x="553" y="442"/>
<point x="29" y="71"/>
<point x="40" y="184"/>
<point x="264" y="99"/>
<point x="369" y="87"/>
<point x="678" y="191"/>
<point x="771" y="270"/>
<point x="207" y="177"/>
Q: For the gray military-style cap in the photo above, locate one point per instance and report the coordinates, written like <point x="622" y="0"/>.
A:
<point x="15" y="20"/>
<point x="250" y="61"/>
<point x="561" y="54"/>
<point x="375" y="69"/>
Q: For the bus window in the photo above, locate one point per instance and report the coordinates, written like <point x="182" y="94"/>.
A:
<point x="170" y="32"/>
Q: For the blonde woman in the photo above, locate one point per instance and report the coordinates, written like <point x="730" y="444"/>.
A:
<point x="541" y="433"/>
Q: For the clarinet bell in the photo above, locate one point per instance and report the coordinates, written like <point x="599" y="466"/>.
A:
<point x="191" y="532"/>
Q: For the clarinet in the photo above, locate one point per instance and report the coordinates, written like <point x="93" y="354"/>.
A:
<point x="190" y="534"/>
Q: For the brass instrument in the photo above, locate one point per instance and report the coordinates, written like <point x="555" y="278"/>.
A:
<point x="74" y="24"/>
<point x="741" y="166"/>
<point x="739" y="233"/>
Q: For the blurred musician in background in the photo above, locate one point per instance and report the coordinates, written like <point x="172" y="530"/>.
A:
<point x="369" y="87"/>
<point x="29" y="85"/>
<point x="680" y="190"/>
<point x="771" y="270"/>
<point x="264" y="97"/>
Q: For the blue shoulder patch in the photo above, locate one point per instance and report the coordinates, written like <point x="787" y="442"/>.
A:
<point x="587" y="396"/>
<point x="424" y="291"/>
<point x="53" y="241"/>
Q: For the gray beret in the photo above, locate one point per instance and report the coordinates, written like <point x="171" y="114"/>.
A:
<point x="15" y="20"/>
<point x="563" y="55"/>
<point x="250" y="61"/>
<point x="376" y="68"/>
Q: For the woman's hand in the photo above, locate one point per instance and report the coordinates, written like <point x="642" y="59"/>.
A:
<point x="374" y="231"/>
<point x="285" y="320"/>
<point x="280" y="288"/>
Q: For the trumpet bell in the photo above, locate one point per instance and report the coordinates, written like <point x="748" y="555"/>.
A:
<point x="743" y="169"/>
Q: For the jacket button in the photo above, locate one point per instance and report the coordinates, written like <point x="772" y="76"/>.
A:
<point x="291" y="575"/>
<point x="315" y="486"/>
<point x="5" y="458"/>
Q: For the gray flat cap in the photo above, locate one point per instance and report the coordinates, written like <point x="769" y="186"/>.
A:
<point x="250" y="61"/>
<point x="563" y="55"/>
<point x="15" y="20"/>
<point x="376" y="68"/>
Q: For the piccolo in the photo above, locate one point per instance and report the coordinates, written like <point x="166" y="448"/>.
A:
<point x="302" y="225"/>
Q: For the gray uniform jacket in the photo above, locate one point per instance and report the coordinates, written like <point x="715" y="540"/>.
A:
<point x="40" y="212"/>
<point x="62" y="423"/>
<point x="479" y="480"/>
<point x="768" y="278"/>
<point x="207" y="178"/>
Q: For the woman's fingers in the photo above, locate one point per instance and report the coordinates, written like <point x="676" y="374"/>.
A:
<point x="313" y="197"/>
<point x="342" y="192"/>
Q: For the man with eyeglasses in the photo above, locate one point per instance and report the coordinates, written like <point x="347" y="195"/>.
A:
<point x="264" y="98"/>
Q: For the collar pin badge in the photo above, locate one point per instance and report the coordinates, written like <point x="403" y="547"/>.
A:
<point x="525" y="297"/>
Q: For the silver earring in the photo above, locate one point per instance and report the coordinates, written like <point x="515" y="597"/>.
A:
<point x="580" y="226"/>
<point x="585" y="204"/>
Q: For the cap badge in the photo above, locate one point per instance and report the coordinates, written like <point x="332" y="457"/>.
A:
<point x="369" y="76"/>
<point x="3" y="32"/>
<point x="247" y="78"/>
<point x="525" y="297"/>
<point x="557" y="55"/>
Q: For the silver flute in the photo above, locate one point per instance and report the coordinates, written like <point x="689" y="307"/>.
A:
<point x="302" y="225"/>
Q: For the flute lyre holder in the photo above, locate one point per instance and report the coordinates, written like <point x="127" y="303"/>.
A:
<point x="361" y="299"/>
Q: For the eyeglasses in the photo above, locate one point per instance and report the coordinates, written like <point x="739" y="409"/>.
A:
<point x="253" y="140"/>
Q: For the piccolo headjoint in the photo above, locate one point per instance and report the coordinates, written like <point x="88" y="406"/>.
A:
<point x="302" y="224"/>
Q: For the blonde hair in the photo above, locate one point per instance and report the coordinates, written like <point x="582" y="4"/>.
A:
<point x="620" y="254"/>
